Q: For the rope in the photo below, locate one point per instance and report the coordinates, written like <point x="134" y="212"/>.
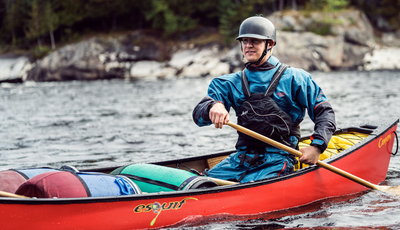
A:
<point x="397" y="144"/>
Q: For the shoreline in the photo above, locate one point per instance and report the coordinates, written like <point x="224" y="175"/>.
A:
<point x="15" y="68"/>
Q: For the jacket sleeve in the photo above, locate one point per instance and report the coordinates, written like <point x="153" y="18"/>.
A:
<point x="201" y="112"/>
<point x="320" y="111"/>
<point x="219" y="90"/>
<point x="325" y="125"/>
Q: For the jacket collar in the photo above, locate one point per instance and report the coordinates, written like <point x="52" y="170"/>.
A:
<point x="268" y="65"/>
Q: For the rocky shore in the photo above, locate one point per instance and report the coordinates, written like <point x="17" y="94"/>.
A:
<point x="138" y="55"/>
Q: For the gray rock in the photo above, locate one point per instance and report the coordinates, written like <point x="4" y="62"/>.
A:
<point x="384" y="58"/>
<point x="139" y="55"/>
<point x="14" y="69"/>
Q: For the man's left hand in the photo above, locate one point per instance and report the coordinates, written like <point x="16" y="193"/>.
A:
<point x="310" y="155"/>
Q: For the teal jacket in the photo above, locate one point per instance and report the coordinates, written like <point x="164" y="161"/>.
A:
<point x="296" y="93"/>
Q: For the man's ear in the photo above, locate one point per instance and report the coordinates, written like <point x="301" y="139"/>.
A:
<point x="271" y="43"/>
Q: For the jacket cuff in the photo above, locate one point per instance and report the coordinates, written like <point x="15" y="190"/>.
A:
<point x="320" y="144"/>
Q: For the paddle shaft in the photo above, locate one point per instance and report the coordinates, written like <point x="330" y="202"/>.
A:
<point x="8" y="194"/>
<point x="300" y="154"/>
<point x="223" y="182"/>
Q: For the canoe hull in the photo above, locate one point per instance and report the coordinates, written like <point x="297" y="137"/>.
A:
<point x="368" y="160"/>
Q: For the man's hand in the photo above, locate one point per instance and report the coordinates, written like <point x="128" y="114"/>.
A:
<point x="218" y="115"/>
<point x="310" y="155"/>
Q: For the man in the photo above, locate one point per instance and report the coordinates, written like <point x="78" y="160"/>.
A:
<point x="295" y="92"/>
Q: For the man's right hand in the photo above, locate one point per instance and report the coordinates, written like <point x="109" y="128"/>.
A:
<point x="219" y="116"/>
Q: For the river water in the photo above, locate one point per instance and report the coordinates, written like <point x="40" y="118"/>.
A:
<point x="116" y="122"/>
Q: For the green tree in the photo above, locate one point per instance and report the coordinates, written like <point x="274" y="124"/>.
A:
<point x="50" y="21"/>
<point x="26" y="22"/>
<point x="34" y="29"/>
<point x="13" y="21"/>
<point x="381" y="9"/>
<point x="232" y="13"/>
<point x="42" y="20"/>
<point x="70" y="12"/>
<point x="172" y="16"/>
<point x="327" y="5"/>
<point x="107" y="10"/>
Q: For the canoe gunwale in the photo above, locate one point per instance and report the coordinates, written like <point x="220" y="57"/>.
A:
<point x="374" y="134"/>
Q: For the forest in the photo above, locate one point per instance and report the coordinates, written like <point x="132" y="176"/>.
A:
<point x="42" y="25"/>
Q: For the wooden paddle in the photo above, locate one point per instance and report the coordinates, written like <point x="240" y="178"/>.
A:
<point x="223" y="182"/>
<point x="8" y="194"/>
<point x="388" y="189"/>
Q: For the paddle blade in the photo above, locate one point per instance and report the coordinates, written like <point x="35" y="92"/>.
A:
<point x="389" y="189"/>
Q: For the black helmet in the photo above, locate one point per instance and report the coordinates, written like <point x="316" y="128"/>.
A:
<point x="257" y="27"/>
<point x="260" y="28"/>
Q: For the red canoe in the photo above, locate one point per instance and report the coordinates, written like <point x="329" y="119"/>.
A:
<point x="368" y="159"/>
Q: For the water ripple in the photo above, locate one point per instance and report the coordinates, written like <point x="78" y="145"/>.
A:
<point x="115" y="122"/>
